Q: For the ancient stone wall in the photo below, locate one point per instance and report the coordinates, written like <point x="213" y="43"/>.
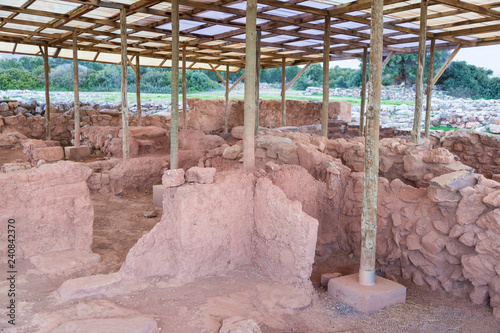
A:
<point x="478" y="150"/>
<point x="51" y="207"/>
<point x="208" y="115"/>
<point x="213" y="228"/>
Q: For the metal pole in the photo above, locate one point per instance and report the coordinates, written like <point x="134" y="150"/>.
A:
<point x="363" y="94"/>
<point x="326" y="78"/>
<point x="76" y="89"/>
<point x="138" y="90"/>
<point x="184" y="87"/>
<point x="370" y="179"/>
<point x="430" y="74"/>
<point x="47" y="88"/>
<point x="226" y="104"/>
<point x="419" y="84"/>
<point x="257" y="81"/>
<point x="283" y="92"/>
<point x="250" y="81"/>
<point x="174" y="119"/>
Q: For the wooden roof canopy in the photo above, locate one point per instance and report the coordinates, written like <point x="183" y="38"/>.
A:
<point x="214" y="30"/>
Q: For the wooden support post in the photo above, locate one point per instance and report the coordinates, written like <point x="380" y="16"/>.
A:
<point x="430" y="74"/>
<point x="47" y="89"/>
<point x="257" y="80"/>
<point x="443" y="68"/>
<point x="326" y="78"/>
<point x="362" y="117"/>
<point x="218" y="74"/>
<point x="250" y="81"/>
<point x="174" y="119"/>
<point x="124" y="62"/>
<point x="283" y="92"/>
<point x="237" y="81"/>
<point x="138" y="90"/>
<point x="184" y="88"/>
<point x="226" y="104"/>
<point x="370" y="179"/>
<point x="419" y="84"/>
<point x="299" y="74"/>
<point x="363" y="94"/>
<point x="387" y="59"/>
<point x="76" y="89"/>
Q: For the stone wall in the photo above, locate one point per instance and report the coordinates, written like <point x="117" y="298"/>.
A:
<point x="478" y="150"/>
<point x="204" y="115"/>
<point x="136" y="174"/>
<point x="208" y="115"/>
<point x="214" y="228"/>
<point x="52" y="209"/>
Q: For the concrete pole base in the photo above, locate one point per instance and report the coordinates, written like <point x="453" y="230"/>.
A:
<point x="366" y="298"/>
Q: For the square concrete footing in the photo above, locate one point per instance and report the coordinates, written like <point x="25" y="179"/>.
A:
<point x="158" y="195"/>
<point x="366" y="298"/>
<point x="77" y="153"/>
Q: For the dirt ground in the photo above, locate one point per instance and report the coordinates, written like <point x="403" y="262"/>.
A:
<point x="201" y="306"/>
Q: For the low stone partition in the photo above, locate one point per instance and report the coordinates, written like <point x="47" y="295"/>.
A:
<point x="51" y="208"/>
<point x="107" y="140"/>
<point x="135" y="174"/>
<point x="209" y="229"/>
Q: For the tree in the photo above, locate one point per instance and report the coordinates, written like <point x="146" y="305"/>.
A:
<point x="402" y="68"/>
<point x="463" y="80"/>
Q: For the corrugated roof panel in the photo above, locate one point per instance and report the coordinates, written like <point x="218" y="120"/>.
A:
<point x="54" y="6"/>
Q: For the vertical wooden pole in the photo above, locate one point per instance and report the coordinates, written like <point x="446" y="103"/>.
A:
<point x="419" y="84"/>
<point x="124" y="64"/>
<point x="184" y="87"/>
<point x="226" y="104"/>
<point x="250" y="81"/>
<point x="283" y="92"/>
<point x="430" y="75"/>
<point x="326" y="78"/>
<point x="363" y="94"/>
<point x="257" y="81"/>
<point x="370" y="179"/>
<point x="174" y="119"/>
<point x="47" y="88"/>
<point x="138" y="90"/>
<point x="76" y="89"/>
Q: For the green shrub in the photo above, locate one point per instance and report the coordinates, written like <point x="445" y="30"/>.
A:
<point x="15" y="78"/>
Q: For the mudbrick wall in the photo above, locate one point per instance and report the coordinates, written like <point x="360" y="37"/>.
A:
<point x="235" y="223"/>
<point x="51" y="207"/>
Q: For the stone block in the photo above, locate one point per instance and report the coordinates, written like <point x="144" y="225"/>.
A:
<point x="367" y="298"/>
<point x="88" y="285"/>
<point x="158" y="194"/>
<point x="201" y="175"/>
<point x="77" y="153"/>
<point x="173" y="178"/>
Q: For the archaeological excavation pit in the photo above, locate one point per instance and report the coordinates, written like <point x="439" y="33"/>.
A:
<point x="244" y="215"/>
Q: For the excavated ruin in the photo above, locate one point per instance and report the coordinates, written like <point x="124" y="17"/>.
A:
<point x="438" y="218"/>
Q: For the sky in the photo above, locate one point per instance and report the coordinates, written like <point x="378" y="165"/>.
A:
<point x="482" y="56"/>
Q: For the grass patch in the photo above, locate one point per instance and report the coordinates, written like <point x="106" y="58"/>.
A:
<point x="443" y="128"/>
